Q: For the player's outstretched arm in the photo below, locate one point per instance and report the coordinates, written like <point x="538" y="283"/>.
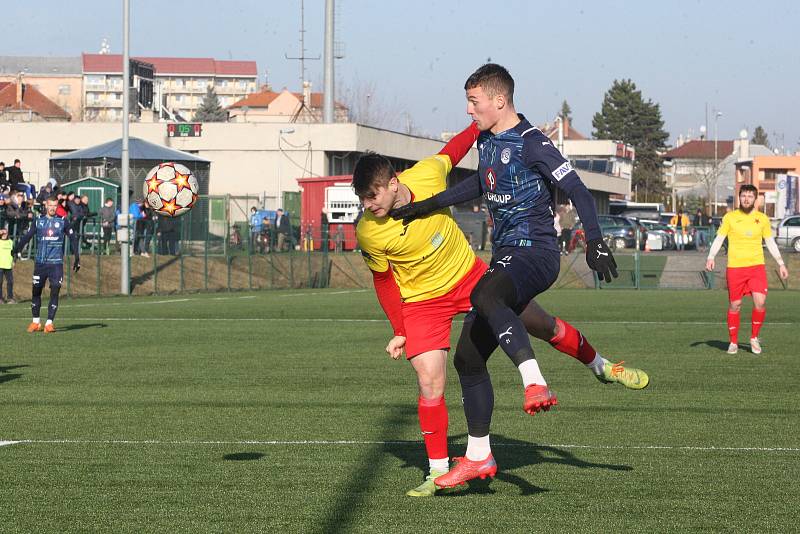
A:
<point x="458" y="147"/>
<point x="775" y="252"/>
<point x="465" y="190"/>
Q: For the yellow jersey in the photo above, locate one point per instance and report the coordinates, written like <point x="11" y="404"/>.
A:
<point x="745" y="232"/>
<point x="430" y="255"/>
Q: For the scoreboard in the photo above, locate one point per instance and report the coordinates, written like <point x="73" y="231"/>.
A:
<point x="185" y="129"/>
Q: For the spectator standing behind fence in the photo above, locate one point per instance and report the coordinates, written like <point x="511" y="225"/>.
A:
<point x="567" y="222"/>
<point x="701" y="223"/>
<point x="61" y="207"/>
<point x="265" y="236"/>
<point x="255" y="227"/>
<point x="168" y="235"/>
<point x="681" y="224"/>
<point x="3" y="176"/>
<point x="282" y="229"/>
<point x="6" y="267"/>
<point x="108" y="221"/>
<point x="135" y="212"/>
<point x="17" y="213"/>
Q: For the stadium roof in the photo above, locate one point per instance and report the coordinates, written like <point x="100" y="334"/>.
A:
<point x="38" y="66"/>
<point x="700" y="150"/>
<point x="138" y="149"/>
<point x="32" y="100"/>
<point x="205" y="66"/>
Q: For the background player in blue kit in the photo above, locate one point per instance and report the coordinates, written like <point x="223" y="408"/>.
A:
<point x="518" y="168"/>
<point x="50" y="231"/>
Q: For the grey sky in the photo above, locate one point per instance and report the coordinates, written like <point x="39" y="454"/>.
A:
<point x="740" y="57"/>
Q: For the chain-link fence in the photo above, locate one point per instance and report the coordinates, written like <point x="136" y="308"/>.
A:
<point x="226" y="244"/>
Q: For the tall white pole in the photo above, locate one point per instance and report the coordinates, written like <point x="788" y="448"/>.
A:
<point x="125" y="230"/>
<point x="327" y="99"/>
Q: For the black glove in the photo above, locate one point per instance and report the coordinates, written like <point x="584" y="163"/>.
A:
<point x="414" y="210"/>
<point x="600" y="259"/>
<point x="76" y="265"/>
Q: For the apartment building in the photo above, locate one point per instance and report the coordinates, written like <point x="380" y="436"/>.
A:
<point x="180" y="84"/>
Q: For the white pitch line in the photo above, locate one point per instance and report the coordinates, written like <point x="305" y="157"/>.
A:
<point x="709" y="448"/>
<point x="323" y="293"/>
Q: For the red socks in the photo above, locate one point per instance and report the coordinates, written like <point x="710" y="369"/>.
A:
<point x="433" y="422"/>
<point x="758" y="320"/>
<point x="733" y="326"/>
<point x="570" y="341"/>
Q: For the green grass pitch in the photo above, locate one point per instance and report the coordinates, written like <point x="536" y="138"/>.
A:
<point x="279" y="412"/>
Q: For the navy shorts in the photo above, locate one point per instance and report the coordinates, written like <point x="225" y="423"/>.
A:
<point x="48" y="271"/>
<point x="533" y="270"/>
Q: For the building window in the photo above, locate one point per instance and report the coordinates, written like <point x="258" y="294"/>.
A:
<point x="179" y="99"/>
<point x="242" y="84"/>
<point x="94" y="79"/>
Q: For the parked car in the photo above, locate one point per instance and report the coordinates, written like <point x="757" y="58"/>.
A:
<point x="621" y="231"/>
<point x="656" y="230"/>
<point x="787" y="233"/>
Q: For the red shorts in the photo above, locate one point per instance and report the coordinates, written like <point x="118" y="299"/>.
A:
<point x="746" y="280"/>
<point x="428" y="322"/>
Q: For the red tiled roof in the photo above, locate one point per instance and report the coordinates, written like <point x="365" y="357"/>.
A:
<point x="701" y="150"/>
<point x="256" y="100"/>
<point x="32" y="99"/>
<point x="265" y="98"/>
<point x="571" y="133"/>
<point x="172" y="65"/>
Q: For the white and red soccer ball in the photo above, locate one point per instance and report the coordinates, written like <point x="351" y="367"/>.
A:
<point x="170" y="189"/>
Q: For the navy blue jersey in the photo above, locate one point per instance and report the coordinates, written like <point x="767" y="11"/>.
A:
<point x="517" y="169"/>
<point x="50" y="233"/>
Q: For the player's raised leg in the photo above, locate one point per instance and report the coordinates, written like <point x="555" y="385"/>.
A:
<point x="567" y="339"/>
<point x="431" y="369"/>
<point x="475" y="346"/>
<point x="494" y="299"/>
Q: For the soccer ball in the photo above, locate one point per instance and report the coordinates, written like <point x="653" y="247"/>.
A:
<point x="170" y="189"/>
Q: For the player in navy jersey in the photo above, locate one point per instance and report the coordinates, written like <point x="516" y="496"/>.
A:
<point x="518" y="169"/>
<point x="50" y="231"/>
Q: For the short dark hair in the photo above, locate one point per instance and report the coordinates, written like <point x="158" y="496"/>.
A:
<point x="17" y="161"/>
<point x="109" y="199"/>
<point x="748" y="187"/>
<point x="494" y="79"/>
<point x="371" y="169"/>
<point x="54" y="198"/>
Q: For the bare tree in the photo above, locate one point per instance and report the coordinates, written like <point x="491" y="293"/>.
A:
<point x="368" y="107"/>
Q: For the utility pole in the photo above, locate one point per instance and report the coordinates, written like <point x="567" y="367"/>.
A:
<point x="328" y="96"/>
<point x="302" y="57"/>
<point x="124" y="230"/>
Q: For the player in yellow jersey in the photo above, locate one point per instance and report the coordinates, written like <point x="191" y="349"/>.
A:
<point x="424" y="273"/>
<point x="745" y="228"/>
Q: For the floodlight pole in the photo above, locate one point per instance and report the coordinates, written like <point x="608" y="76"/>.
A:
<point x="328" y="115"/>
<point x="124" y="230"/>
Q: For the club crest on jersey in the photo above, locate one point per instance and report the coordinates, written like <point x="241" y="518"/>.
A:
<point x="491" y="180"/>
<point x="505" y="155"/>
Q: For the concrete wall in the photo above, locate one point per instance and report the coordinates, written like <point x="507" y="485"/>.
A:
<point x="246" y="158"/>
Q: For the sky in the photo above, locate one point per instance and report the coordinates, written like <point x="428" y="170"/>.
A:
<point x="412" y="57"/>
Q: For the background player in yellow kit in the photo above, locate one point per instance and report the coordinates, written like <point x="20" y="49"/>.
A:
<point x="745" y="228"/>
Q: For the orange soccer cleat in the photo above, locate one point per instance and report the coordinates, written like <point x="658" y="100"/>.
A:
<point x="34" y="327"/>
<point x="49" y="328"/>
<point x="538" y="398"/>
<point x="465" y="470"/>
